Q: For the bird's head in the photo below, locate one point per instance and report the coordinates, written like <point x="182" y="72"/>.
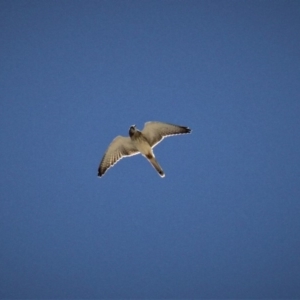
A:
<point x="132" y="130"/>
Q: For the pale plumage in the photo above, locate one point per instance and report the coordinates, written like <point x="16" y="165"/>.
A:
<point x="139" y="142"/>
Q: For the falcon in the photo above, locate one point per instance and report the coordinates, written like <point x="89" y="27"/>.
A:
<point x="139" y="142"/>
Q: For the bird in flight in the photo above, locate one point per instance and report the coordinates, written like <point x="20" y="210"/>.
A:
<point x="139" y="142"/>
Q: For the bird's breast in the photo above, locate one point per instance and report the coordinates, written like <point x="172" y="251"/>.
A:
<point x="142" y="145"/>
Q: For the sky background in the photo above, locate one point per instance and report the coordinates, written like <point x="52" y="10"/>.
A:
<point x="223" y="223"/>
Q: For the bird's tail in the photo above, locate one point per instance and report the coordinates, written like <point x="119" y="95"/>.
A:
<point x="156" y="166"/>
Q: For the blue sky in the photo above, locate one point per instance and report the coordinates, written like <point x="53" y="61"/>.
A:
<point x="223" y="223"/>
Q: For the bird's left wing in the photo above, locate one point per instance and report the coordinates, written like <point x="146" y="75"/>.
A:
<point x="120" y="147"/>
<point x="156" y="131"/>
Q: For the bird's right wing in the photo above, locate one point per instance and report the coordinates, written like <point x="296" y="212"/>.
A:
<point x="156" y="131"/>
<point x="120" y="147"/>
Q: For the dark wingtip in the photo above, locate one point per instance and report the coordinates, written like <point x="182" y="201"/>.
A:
<point x="188" y="130"/>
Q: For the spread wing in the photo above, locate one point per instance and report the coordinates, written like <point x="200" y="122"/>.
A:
<point x="120" y="147"/>
<point x="156" y="131"/>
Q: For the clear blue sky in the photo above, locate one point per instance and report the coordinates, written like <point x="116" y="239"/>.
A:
<point x="223" y="223"/>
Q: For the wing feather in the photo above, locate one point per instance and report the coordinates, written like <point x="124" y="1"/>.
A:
<point x="157" y="131"/>
<point x="120" y="147"/>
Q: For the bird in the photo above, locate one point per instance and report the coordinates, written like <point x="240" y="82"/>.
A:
<point x="140" y="142"/>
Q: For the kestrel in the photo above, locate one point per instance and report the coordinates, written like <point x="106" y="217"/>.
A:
<point x="139" y="142"/>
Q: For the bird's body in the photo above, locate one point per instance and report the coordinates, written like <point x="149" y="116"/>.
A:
<point x="143" y="146"/>
<point x="139" y="142"/>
